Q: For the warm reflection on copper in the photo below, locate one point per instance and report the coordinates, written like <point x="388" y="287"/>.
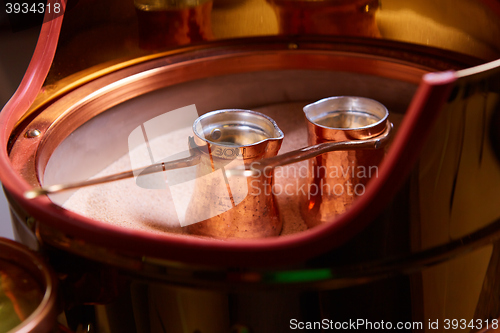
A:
<point x="234" y="207"/>
<point x="327" y="17"/>
<point x="336" y="179"/>
<point x="171" y="23"/>
<point x="104" y="33"/>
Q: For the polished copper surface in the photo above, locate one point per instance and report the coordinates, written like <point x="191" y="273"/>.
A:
<point x="435" y="240"/>
<point x="57" y="121"/>
<point x="240" y="207"/>
<point x="337" y="178"/>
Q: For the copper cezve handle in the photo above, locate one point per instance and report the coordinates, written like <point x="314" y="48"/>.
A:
<point x="256" y="168"/>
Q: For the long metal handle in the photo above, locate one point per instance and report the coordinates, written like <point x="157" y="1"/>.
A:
<point x="158" y="167"/>
<point x="306" y="153"/>
<point x="256" y="168"/>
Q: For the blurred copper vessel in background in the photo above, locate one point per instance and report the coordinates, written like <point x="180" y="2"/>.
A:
<point x="337" y="178"/>
<point x="28" y="291"/>
<point x="327" y="17"/>
<point x="164" y="23"/>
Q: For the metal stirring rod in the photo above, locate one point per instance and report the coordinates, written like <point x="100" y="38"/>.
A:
<point x="266" y="164"/>
<point x="158" y="167"/>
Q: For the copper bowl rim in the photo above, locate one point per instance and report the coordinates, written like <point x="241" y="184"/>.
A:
<point x="381" y="120"/>
<point x="278" y="137"/>
<point x="258" y="252"/>
<point x="353" y="133"/>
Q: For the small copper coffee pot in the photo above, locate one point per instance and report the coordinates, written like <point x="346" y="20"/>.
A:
<point x="337" y="178"/>
<point x="225" y="206"/>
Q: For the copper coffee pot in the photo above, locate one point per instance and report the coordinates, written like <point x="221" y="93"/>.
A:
<point x="234" y="207"/>
<point x="337" y="178"/>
